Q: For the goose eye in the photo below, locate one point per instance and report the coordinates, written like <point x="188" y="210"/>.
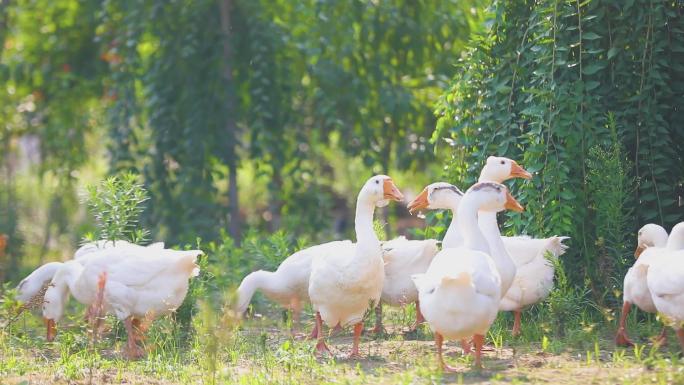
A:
<point x="377" y="181"/>
<point x="431" y="291"/>
<point x="503" y="162"/>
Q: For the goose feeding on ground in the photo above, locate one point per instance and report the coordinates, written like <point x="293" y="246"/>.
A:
<point x="32" y="285"/>
<point x="461" y="290"/>
<point x="289" y="284"/>
<point x="344" y="282"/>
<point x="140" y="282"/>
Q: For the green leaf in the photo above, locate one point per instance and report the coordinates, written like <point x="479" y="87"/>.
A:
<point x="612" y="52"/>
<point x="593" y="68"/>
<point x="590" y="36"/>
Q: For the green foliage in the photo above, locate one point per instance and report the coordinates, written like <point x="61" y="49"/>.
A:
<point x="610" y="186"/>
<point x="116" y="203"/>
<point x="538" y="87"/>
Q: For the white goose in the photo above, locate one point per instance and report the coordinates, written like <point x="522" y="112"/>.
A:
<point x="343" y="282"/>
<point x="532" y="279"/>
<point x="137" y="283"/>
<point x="32" y="285"/>
<point x="289" y="284"/>
<point x="665" y="280"/>
<point x="403" y="258"/>
<point x="653" y="238"/>
<point x="461" y="290"/>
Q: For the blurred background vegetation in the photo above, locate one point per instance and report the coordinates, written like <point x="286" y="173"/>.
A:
<point x="244" y="118"/>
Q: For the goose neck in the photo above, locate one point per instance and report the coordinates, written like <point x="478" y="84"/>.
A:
<point x="467" y="224"/>
<point x="453" y="237"/>
<point x="490" y="229"/>
<point x="363" y="222"/>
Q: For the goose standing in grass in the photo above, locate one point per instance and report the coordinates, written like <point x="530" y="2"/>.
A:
<point x="33" y="284"/>
<point x="289" y="284"/>
<point x="140" y="283"/>
<point x="461" y="290"/>
<point x="403" y="258"/>
<point x="665" y="279"/>
<point x="651" y="238"/>
<point x="532" y="280"/>
<point x="344" y="282"/>
<point x="31" y="289"/>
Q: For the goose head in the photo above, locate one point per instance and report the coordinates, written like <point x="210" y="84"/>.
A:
<point x="650" y="235"/>
<point x="379" y="190"/>
<point x="53" y="309"/>
<point x="436" y="196"/>
<point x="676" y="239"/>
<point x="56" y="296"/>
<point x="498" y="169"/>
<point x="490" y="196"/>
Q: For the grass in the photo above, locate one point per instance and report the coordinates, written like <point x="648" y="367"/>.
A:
<point x="261" y="351"/>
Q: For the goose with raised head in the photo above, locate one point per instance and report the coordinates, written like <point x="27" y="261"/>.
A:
<point x="461" y="290"/>
<point x="665" y="279"/>
<point x="651" y="244"/>
<point x="140" y="283"/>
<point x="532" y="280"/>
<point x="344" y="282"/>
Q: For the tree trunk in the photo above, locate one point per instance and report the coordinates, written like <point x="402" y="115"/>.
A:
<point x="231" y="126"/>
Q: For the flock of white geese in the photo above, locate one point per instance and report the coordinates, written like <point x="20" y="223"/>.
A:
<point x="458" y="290"/>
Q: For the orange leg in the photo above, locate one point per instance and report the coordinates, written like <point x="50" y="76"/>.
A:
<point x="465" y="345"/>
<point x="51" y="329"/>
<point x="336" y="330"/>
<point x="516" y="322"/>
<point x="661" y="339"/>
<point x="95" y="311"/>
<point x="419" y="318"/>
<point x="134" y="351"/>
<point x="478" y="341"/>
<point x="358" y="329"/>
<point x="314" y="331"/>
<point x="621" y="338"/>
<point x="138" y="329"/>
<point x="439" y="340"/>
<point x="680" y="337"/>
<point x="321" y="347"/>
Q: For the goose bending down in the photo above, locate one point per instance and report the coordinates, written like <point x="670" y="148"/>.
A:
<point x="665" y="278"/>
<point x="403" y="258"/>
<point x="532" y="280"/>
<point x="140" y="283"/>
<point x="31" y="286"/>
<point x="344" y="282"/>
<point x="31" y="289"/>
<point x="289" y="284"/>
<point x="461" y="290"/>
<point x="651" y="244"/>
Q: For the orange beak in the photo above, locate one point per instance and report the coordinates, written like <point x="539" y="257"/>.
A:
<point x="640" y="249"/>
<point x="518" y="172"/>
<point x="419" y="203"/>
<point x="512" y="204"/>
<point x="391" y="191"/>
<point x="51" y="329"/>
